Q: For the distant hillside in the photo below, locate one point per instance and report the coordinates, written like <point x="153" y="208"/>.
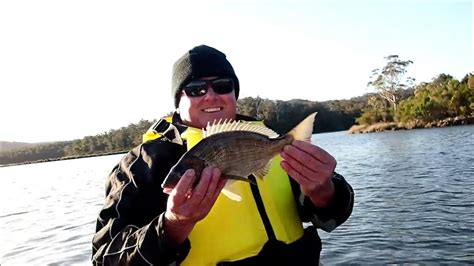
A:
<point x="11" y="146"/>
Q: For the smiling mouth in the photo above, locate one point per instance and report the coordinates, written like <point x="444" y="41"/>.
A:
<point x="212" y="110"/>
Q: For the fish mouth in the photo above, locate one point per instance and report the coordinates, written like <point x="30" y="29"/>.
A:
<point x="170" y="180"/>
<point x="212" y="109"/>
<point x="167" y="186"/>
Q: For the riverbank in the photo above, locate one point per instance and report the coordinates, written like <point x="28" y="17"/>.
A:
<point x="63" y="158"/>
<point x="355" y="129"/>
<point x="392" y="126"/>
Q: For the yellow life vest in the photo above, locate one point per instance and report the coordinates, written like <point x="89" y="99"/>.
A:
<point x="233" y="230"/>
<point x="151" y="133"/>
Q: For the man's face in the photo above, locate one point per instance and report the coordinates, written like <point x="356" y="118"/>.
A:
<point x="197" y="111"/>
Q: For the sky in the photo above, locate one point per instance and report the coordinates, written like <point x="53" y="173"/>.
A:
<point x="70" y="69"/>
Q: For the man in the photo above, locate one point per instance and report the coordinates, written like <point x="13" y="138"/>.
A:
<point x="194" y="224"/>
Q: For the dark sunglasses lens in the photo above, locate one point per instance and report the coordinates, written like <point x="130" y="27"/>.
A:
<point x="223" y="86"/>
<point x="195" y="90"/>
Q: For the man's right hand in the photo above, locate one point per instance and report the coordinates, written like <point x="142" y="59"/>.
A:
<point x="187" y="206"/>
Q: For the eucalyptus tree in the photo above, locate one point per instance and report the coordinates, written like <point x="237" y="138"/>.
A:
<point x="390" y="81"/>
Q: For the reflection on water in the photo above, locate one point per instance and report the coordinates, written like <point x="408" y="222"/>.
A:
<point x="413" y="201"/>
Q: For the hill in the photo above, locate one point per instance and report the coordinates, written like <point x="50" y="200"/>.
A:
<point x="11" y="146"/>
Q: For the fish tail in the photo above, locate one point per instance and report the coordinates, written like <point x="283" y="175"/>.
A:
<point x="304" y="129"/>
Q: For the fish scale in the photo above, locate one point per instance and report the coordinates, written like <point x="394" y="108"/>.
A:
<point x="238" y="152"/>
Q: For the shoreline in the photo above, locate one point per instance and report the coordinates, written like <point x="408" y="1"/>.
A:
<point x="393" y="126"/>
<point x="355" y="129"/>
<point x="64" y="158"/>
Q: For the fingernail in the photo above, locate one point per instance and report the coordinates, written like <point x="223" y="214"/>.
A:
<point x="190" y="172"/>
<point x="207" y="171"/>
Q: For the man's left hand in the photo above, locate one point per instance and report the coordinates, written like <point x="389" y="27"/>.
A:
<point x="313" y="168"/>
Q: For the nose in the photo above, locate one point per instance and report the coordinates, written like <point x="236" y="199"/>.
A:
<point x="211" y="94"/>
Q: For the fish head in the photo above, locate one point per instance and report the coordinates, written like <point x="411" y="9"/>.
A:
<point x="178" y="170"/>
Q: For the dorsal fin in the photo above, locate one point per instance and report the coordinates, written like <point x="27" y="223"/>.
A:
<point x="231" y="125"/>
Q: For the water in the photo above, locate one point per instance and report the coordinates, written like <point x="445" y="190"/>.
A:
<point x="414" y="197"/>
<point x="414" y="202"/>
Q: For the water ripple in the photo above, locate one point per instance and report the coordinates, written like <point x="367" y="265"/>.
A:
<point x="414" y="198"/>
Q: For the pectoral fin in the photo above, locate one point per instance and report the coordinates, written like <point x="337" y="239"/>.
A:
<point x="231" y="191"/>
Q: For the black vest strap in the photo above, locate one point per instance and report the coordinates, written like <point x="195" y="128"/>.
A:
<point x="261" y="209"/>
<point x="160" y="126"/>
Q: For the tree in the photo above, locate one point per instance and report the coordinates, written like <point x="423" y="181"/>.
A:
<point x="389" y="81"/>
<point x="470" y="81"/>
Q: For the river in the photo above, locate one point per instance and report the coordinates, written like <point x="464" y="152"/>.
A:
<point x="414" y="202"/>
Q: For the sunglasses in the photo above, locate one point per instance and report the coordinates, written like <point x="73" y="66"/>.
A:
<point x="199" y="88"/>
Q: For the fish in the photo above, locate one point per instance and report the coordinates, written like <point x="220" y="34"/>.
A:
<point x="239" y="149"/>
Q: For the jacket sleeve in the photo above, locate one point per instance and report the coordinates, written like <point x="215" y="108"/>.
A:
<point x="129" y="227"/>
<point x="335" y="214"/>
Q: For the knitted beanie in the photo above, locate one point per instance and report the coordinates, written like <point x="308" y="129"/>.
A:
<point x="199" y="62"/>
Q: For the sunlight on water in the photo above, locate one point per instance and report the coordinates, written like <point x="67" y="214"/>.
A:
<point x="50" y="210"/>
<point x="414" y="202"/>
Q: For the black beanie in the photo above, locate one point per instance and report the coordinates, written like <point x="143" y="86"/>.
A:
<point x="199" y="62"/>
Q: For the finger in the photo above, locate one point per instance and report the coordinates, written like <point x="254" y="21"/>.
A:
<point x="293" y="173"/>
<point x="216" y="177"/>
<point x="315" y="151"/>
<point x="213" y="184"/>
<point x="291" y="153"/>
<point x="200" y="190"/>
<point x="218" y="190"/>
<point x="312" y="171"/>
<point x="185" y="183"/>
<point x="167" y="190"/>
<point x="302" y="162"/>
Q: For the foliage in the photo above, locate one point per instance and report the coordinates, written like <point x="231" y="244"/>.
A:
<point x="396" y="101"/>
<point x="282" y="116"/>
<point x="444" y="97"/>
<point x="114" y="141"/>
<point x="390" y="82"/>
<point x="371" y="116"/>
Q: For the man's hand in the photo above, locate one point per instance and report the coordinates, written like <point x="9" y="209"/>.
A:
<point x="186" y="206"/>
<point x="313" y="168"/>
